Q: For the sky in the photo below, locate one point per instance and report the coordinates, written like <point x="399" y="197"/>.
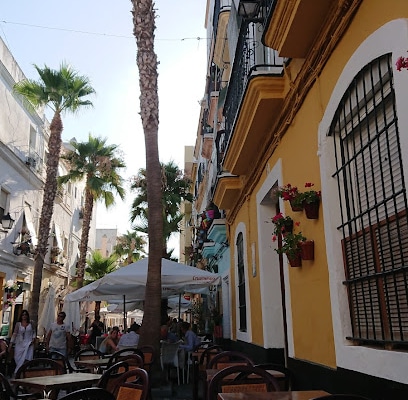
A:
<point x="95" y="37"/>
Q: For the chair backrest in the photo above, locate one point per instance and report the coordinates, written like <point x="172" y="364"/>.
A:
<point x="229" y="357"/>
<point x="169" y="353"/>
<point x="254" y="380"/>
<point x="120" y="355"/>
<point x="91" y="393"/>
<point x="288" y="381"/>
<point x="133" y="385"/>
<point x="341" y="397"/>
<point x="109" y="377"/>
<point x="208" y="354"/>
<point x="148" y="353"/>
<point x="88" y="354"/>
<point x="133" y="361"/>
<point x="40" y="367"/>
<point x="61" y="359"/>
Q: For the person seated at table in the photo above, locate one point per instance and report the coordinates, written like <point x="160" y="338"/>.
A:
<point x="130" y="339"/>
<point x="191" y="340"/>
<point x="166" y="335"/>
<point x="110" y="344"/>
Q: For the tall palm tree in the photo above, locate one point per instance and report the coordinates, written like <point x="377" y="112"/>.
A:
<point x="175" y="189"/>
<point x="97" y="267"/>
<point x="130" y="245"/>
<point x="143" y="29"/>
<point x="62" y="90"/>
<point x="100" y="165"/>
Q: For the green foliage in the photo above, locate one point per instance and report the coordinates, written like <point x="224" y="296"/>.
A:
<point x="131" y="246"/>
<point x="175" y="189"/>
<point x="99" y="266"/>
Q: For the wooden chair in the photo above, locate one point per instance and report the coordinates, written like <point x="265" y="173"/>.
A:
<point x="87" y="354"/>
<point x="39" y="367"/>
<point x="148" y="354"/>
<point x="133" y="361"/>
<point x="288" y="381"/>
<point x="109" y="377"/>
<point x="7" y="392"/>
<point x="91" y="393"/>
<point x="341" y="397"/>
<point x="133" y="385"/>
<point x="209" y="353"/>
<point x="252" y="379"/>
<point x="61" y="359"/>
<point x="229" y="359"/>
<point x="120" y="355"/>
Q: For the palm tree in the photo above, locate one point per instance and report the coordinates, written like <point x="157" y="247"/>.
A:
<point x="97" y="267"/>
<point x="62" y="90"/>
<point x="99" y="164"/>
<point x="175" y="188"/>
<point x="143" y="29"/>
<point x="130" y="245"/>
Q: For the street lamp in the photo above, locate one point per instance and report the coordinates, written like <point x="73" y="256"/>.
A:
<point x="7" y="222"/>
<point x="249" y="9"/>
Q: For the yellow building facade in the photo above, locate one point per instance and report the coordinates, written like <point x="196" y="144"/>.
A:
<point x="321" y="102"/>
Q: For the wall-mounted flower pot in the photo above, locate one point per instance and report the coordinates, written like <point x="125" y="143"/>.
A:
<point x="312" y="209"/>
<point x="288" y="227"/>
<point x="296" y="260"/>
<point x="294" y="206"/>
<point x="307" y="250"/>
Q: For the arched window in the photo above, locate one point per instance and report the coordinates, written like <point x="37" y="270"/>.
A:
<point x="373" y="205"/>
<point x="241" y="283"/>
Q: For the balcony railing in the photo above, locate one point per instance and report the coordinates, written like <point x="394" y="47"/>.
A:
<point x="251" y="59"/>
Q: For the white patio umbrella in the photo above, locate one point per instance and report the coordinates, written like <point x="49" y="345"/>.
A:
<point x="47" y="316"/>
<point x="129" y="283"/>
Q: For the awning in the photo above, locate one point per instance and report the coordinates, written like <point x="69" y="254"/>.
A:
<point x="30" y="225"/>
<point x="58" y="238"/>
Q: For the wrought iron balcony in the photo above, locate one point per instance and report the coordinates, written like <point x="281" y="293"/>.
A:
<point x="251" y="59"/>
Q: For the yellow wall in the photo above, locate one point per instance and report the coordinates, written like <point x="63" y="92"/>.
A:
<point x="309" y="285"/>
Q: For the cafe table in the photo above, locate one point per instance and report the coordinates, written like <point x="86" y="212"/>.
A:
<point x="94" y="365"/>
<point x="294" y="395"/>
<point x="65" y="381"/>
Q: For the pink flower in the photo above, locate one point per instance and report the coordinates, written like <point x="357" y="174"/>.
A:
<point x="277" y="217"/>
<point x="401" y="63"/>
<point x="273" y="238"/>
<point x="297" y="223"/>
<point x="309" y="184"/>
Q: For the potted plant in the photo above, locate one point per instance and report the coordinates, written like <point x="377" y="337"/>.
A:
<point x="311" y="201"/>
<point x="282" y="224"/>
<point x="290" y="193"/>
<point x="291" y="247"/>
<point x="291" y="243"/>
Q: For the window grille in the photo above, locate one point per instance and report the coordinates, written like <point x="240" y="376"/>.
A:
<point x="241" y="284"/>
<point x="373" y="206"/>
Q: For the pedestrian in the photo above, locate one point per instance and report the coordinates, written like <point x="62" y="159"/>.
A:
<point x="96" y="330"/>
<point x="191" y="340"/>
<point x="23" y="339"/>
<point x="58" y="337"/>
<point x="110" y="344"/>
<point x="130" y="339"/>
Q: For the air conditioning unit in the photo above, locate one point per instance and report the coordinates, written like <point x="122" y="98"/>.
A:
<point x="32" y="162"/>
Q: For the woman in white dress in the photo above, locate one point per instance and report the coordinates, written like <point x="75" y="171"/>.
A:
<point x="23" y="340"/>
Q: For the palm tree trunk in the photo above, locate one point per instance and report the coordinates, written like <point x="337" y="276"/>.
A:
<point x="50" y="190"/>
<point x="144" y="27"/>
<point x="83" y="247"/>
